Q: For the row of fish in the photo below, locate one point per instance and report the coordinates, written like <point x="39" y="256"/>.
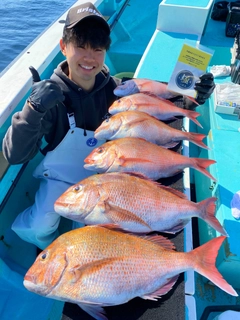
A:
<point x="113" y="260"/>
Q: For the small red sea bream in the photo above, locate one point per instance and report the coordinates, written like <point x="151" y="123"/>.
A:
<point x="133" y="203"/>
<point x="140" y="156"/>
<point x="96" y="266"/>
<point x="160" y="108"/>
<point x="138" y="85"/>
<point x="142" y="85"/>
<point x="141" y="125"/>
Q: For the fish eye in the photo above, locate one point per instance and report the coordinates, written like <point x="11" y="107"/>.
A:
<point x="77" y="188"/>
<point x="43" y="256"/>
<point x="100" y="150"/>
<point x="119" y="101"/>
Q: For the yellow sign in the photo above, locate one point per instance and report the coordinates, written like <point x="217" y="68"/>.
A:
<point x="194" y="57"/>
<point x="191" y="64"/>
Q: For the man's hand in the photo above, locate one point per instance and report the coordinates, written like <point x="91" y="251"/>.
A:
<point x="45" y="94"/>
<point x="204" y="87"/>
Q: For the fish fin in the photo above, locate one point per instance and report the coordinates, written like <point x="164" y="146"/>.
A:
<point x="193" y="115"/>
<point x="170" y="145"/>
<point x="161" y="241"/>
<point x="138" y="175"/>
<point x="173" y="191"/>
<point x="197" y="138"/>
<point x="96" y="311"/>
<point x="201" y="164"/>
<point x="128" y="162"/>
<point x="163" y="290"/>
<point x="207" y="209"/>
<point x="178" y="227"/>
<point x="192" y="99"/>
<point x="87" y="269"/>
<point x="124" y="218"/>
<point x="117" y="228"/>
<point x="204" y="259"/>
<point x="157" y="239"/>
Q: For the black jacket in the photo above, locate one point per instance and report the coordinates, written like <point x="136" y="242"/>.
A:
<point x="24" y="137"/>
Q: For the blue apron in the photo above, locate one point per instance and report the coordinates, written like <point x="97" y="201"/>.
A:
<point x="60" y="168"/>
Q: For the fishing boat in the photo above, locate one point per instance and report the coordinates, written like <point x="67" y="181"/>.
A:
<point x="147" y="37"/>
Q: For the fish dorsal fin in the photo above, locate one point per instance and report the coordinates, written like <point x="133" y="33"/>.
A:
<point x="169" y="189"/>
<point x="174" y="191"/>
<point x="161" y="291"/>
<point x="157" y="239"/>
<point x="161" y="241"/>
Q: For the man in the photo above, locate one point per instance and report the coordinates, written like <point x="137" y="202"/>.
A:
<point x="65" y="110"/>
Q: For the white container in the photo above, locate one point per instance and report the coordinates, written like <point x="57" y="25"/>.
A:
<point x="227" y="105"/>
<point x="176" y="16"/>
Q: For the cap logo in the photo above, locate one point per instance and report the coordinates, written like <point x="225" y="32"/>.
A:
<point x="87" y="9"/>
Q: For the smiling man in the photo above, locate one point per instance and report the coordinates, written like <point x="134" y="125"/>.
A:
<point x="65" y="110"/>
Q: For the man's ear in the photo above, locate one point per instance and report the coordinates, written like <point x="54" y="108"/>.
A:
<point x="62" y="47"/>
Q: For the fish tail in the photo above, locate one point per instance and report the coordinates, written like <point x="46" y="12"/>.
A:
<point x="201" y="164"/>
<point x="207" y="213"/>
<point x="193" y="115"/>
<point x="197" y="138"/>
<point x="205" y="259"/>
<point x="193" y="100"/>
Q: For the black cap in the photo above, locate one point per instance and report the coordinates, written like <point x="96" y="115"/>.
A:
<point x="84" y="11"/>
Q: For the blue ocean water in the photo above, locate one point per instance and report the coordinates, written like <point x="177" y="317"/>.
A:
<point x="22" y="21"/>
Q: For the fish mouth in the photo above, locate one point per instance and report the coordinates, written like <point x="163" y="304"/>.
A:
<point x="63" y="210"/>
<point x="29" y="283"/>
<point x="99" y="134"/>
<point x="99" y="167"/>
<point x="60" y="207"/>
<point x="89" y="166"/>
<point x="89" y="161"/>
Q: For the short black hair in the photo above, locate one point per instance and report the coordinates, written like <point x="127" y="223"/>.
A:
<point x="87" y="32"/>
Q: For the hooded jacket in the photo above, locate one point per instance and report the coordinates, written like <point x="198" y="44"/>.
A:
<point x="24" y="137"/>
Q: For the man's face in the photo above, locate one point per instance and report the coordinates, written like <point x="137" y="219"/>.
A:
<point x="84" y="63"/>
